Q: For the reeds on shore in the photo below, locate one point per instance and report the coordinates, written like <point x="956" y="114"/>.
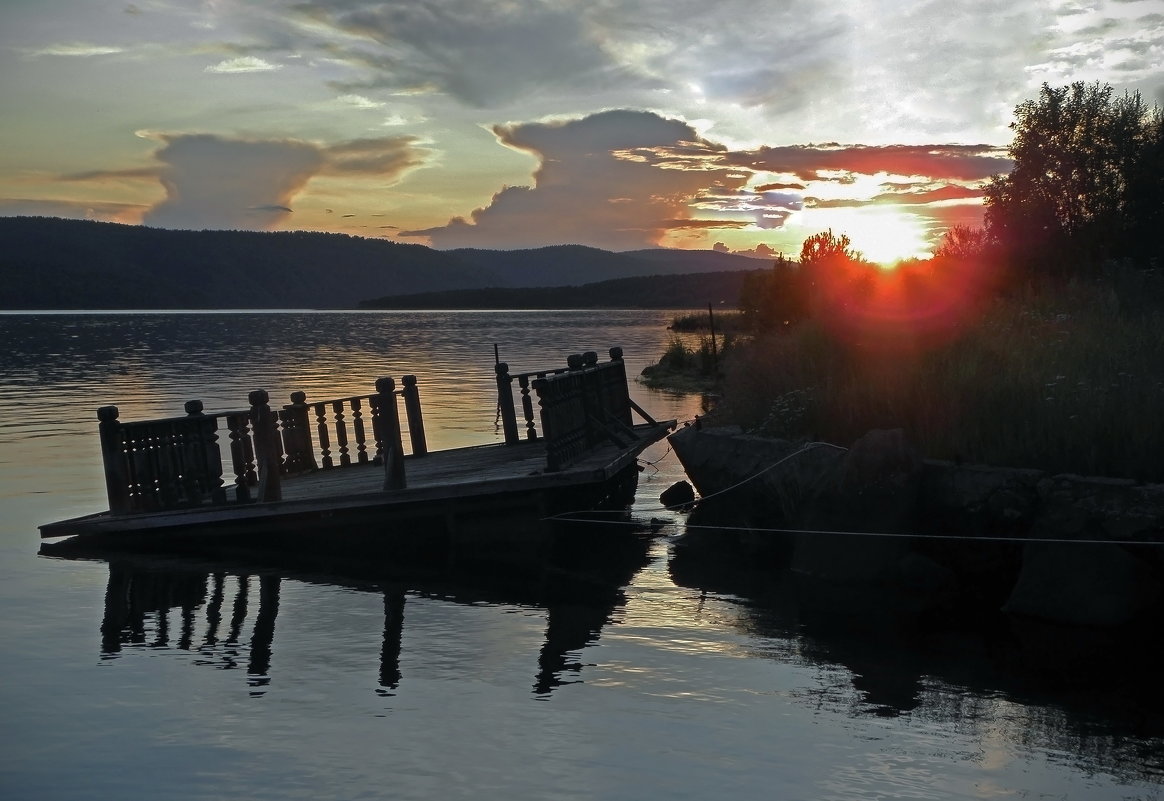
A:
<point x="1065" y="377"/>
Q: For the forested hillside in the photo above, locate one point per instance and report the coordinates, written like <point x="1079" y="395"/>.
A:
<point x="722" y="289"/>
<point x="51" y="263"/>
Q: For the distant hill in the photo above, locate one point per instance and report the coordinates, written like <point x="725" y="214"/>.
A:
<point x="691" y="291"/>
<point x="77" y="264"/>
<point x="51" y="263"/>
<point x="566" y="265"/>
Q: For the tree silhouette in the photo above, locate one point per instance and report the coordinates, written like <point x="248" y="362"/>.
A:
<point x="824" y="247"/>
<point x="962" y="242"/>
<point x="1087" y="170"/>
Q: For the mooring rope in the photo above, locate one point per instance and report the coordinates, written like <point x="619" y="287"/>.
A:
<point x="808" y="446"/>
<point x="655" y="523"/>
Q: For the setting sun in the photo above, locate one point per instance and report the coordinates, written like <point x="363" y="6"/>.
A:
<point x="884" y="236"/>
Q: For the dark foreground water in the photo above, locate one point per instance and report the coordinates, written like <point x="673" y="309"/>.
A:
<point x="646" y="677"/>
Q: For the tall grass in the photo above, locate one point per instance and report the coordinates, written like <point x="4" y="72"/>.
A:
<point x="1066" y="378"/>
<point x="725" y="321"/>
<point x="684" y="367"/>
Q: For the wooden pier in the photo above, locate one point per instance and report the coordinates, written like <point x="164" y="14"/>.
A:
<point x="570" y="441"/>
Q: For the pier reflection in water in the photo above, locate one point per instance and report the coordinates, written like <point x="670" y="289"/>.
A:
<point x="224" y="613"/>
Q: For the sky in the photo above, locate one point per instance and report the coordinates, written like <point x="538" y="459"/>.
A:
<point x="736" y="125"/>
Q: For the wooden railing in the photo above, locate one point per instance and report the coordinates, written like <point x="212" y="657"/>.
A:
<point x="152" y="465"/>
<point x="581" y="406"/>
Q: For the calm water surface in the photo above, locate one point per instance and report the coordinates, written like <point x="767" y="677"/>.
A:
<point x="190" y="680"/>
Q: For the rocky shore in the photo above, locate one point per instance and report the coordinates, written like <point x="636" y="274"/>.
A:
<point x="1064" y="548"/>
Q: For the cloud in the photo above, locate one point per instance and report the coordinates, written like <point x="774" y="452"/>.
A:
<point x="388" y="157"/>
<point x="482" y="54"/>
<point x="916" y="195"/>
<point x="101" y="176"/>
<point x="359" y="101"/>
<point x="77" y="50"/>
<point x="213" y="182"/>
<point x="584" y="192"/>
<point x="625" y="179"/>
<point x="72" y="209"/>
<point x="218" y="182"/>
<point x="243" y="64"/>
<point x="808" y="162"/>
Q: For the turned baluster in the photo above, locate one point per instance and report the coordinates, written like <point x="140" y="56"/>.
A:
<point x="358" y="431"/>
<point x="341" y="433"/>
<point x="242" y="454"/>
<point x="531" y="431"/>
<point x="324" y="437"/>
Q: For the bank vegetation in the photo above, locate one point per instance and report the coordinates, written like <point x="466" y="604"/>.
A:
<point x="1032" y="342"/>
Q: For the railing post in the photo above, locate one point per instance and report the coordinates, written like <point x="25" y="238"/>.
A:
<point x="616" y="357"/>
<point x="553" y="461"/>
<point x="211" y="466"/>
<point x="389" y="434"/>
<point x="268" y="451"/>
<point x="412" y="411"/>
<point x="297" y="434"/>
<point x="112" y="456"/>
<point x="505" y="404"/>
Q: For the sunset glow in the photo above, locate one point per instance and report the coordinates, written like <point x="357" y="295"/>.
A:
<point x="884" y="235"/>
<point x="506" y="125"/>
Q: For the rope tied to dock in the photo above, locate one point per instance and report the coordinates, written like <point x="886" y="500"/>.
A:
<point x="656" y="524"/>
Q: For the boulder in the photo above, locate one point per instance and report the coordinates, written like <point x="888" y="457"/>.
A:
<point x="678" y="494"/>
<point x="872" y="489"/>
<point x="1091" y="584"/>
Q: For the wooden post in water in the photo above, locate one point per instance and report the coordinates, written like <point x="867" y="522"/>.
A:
<point x="116" y="480"/>
<point x="412" y="411"/>
<point x="388" y="419"/>
<point x="505" y="403"/>
<point x="268" y="450"/>
<point x="714" y="354"/>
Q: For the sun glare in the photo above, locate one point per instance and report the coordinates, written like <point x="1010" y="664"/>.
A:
<point x="884" y="236"/>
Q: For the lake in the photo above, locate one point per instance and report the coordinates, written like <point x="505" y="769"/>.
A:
<point x="183" y="678"/>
